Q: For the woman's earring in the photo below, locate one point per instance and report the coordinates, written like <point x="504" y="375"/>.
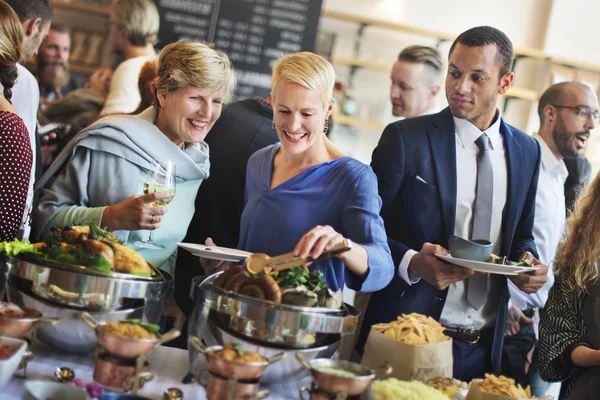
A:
<point x="273" y="124"/>
<point x="326" y="127"/>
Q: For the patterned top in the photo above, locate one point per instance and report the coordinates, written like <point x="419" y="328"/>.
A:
<point x="16" y="161"/>
<point x="562" y="328"/>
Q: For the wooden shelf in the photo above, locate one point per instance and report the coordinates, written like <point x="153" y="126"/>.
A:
<point x="514" y="92"/>
<point x="525" y="52"/>
<point x="83" y="69"/>
<point x="520" y="93"/>
<point x="574" y="64"/>
<point x="348" y="120"/>
<point x="74" y="5"/>
<point x="355" y="62"/>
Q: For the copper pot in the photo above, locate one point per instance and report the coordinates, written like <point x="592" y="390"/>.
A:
<point x="333" y="384"/>
<point x="122" y="346"/>
<point x="20" y="327"/>
<point x="119" y="374"/>
<point x="227" y="368"/>
<point x="222" y="388"/>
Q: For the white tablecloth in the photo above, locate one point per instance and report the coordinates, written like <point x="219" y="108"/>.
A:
<point x="169" y="366"/>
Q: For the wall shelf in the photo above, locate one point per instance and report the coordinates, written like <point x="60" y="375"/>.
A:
<point x="524" y="52"/>
<point x="355" y="62"/>
<point x="513" y="92"/>
<point x="82" y="69"/>
<point x="361" y="123"/>
<point x="520" y="93"/>
<point x="90" y="9"/>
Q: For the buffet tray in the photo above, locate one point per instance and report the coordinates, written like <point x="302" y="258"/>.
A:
<point x="268" y="315"/>
<point x="83" y="287"/>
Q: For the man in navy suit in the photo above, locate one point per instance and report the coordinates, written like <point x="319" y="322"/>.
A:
<point x="452" y="173"/>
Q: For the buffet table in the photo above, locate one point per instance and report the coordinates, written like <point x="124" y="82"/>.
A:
<point x="168" y="364"/>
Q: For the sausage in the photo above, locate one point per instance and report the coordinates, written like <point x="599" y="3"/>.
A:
<point x="253" y="290"/>
<point x="272" y="289"/>
<point x="222" y="279"/>
<point x="236" y="282"/>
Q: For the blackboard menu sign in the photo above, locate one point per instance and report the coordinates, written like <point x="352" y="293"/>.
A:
<point x="253" y="33"/>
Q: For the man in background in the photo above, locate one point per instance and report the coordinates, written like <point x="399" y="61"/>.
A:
<point x="416" y="81"/>
<point x="568" y="111"/>
<point x="52" y="66"/>
<point x="35" y="16"/>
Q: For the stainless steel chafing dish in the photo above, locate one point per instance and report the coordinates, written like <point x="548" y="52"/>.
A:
<point x="85" y="288"/>
<point x="266" y="327"/>
<point x="64" y="291"/>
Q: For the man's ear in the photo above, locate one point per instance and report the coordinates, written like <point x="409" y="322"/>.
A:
<point x="31" y="26"/>
<point x="434" y="90"/>
<point x="505" y="83"/>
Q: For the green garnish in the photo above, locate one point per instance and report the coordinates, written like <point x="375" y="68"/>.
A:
<point x="299" y="276"/>
<point x="238" y="349"/>
<point x="102" y="233"/>
<point x="152" y="328"/>
<point x="523" y="262"/>
<point x="17" y="247"/>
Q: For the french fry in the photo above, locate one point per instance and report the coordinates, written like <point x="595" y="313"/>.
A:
<point x="414" y="329"/>
<point x="503" y="386"/>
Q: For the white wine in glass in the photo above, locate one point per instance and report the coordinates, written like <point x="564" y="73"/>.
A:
<point x="160" y="179"/>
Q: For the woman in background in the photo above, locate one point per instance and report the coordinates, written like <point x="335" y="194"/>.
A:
<point x="16" y="157"/>
<point x="570" y="325"/>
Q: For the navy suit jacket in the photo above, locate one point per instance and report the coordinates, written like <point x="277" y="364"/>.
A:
<point x="416" y="212"/>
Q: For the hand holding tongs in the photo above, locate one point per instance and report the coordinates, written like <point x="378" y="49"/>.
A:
<point x="259" y="264"/>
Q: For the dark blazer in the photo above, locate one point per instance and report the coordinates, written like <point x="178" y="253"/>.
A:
<point x="415" y="212"/>
<point x="243" y="128"/>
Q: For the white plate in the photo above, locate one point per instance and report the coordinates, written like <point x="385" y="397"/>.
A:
<point x="485" y="266"/>
<point x="215" y="252"/>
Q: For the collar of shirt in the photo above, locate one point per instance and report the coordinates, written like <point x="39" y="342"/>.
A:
<point x="433" y="110"/>
<point x="468" y="133"/>
<point x="556" y="166"/>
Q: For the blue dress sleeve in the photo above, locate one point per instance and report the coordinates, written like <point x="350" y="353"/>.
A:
<point x="364" y="225"/>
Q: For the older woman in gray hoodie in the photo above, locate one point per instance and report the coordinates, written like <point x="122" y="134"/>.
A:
<point x="99" y="176"/>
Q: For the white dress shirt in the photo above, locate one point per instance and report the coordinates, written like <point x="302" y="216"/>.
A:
<point x="26" y="101"/>
<point x="548" y="225"/>
<point x="124" y="95"/>
<point x="457" y="311"/>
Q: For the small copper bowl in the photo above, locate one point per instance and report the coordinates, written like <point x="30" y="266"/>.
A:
<point x="332" y="383"/>
<point x="227" y="368"/>
<point x="119" y="374"/>
<point x="20" y="327"/>
<point x="222" y="388"/>
<point x="122" y="346"/>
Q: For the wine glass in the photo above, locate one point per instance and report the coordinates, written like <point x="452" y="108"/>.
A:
<point x="160" y="179"/>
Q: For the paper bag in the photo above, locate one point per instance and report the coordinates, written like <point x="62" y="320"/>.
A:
<point x="410" y="362"/>
<point x="475" y="393"/>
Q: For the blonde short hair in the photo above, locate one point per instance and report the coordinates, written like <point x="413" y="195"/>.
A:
<point x="139" y="20"/>
<point x="185" y="63"/>
<point x="307" y="69"/>
<point x="11" y="47"/>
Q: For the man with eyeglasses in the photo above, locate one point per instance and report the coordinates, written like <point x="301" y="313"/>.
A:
<point x="568" y="111"/>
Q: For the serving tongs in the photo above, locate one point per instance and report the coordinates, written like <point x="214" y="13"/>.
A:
<point x="260" y="264"/>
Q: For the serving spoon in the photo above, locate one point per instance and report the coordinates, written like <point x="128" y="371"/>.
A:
<point x="260" y="264"/>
